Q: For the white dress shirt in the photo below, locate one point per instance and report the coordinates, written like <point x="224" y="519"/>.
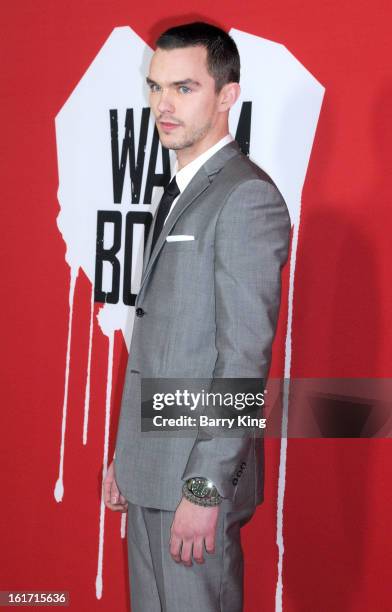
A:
<point x="186" y="174"/>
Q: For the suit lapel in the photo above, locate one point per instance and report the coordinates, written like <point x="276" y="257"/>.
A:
<point x="199" y="183"/>
<point x="192" y="191"/>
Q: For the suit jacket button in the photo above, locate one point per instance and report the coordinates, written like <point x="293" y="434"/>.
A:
<point x="139" y="312"/>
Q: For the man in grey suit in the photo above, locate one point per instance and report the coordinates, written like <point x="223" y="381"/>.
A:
<point x="207" y="309"/>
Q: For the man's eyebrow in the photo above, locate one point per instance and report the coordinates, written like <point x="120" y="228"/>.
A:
<point x="176" y="83"/>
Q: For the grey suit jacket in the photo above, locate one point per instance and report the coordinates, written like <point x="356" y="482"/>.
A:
<point x="209" y="310"/>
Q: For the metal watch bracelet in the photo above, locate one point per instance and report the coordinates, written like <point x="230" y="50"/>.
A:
<point x="199" y="500"/>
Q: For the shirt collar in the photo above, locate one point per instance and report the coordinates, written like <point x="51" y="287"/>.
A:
<point x="185" y="175"/>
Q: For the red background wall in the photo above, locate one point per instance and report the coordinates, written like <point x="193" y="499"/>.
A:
<point x="337" y="529"/>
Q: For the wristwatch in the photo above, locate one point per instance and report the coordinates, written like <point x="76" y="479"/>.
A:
<point x="201" y="491"/>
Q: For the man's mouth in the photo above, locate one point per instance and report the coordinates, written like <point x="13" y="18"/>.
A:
<point x="167" y="125"/>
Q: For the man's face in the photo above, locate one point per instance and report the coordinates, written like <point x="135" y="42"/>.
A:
<point x="182" y="96"/>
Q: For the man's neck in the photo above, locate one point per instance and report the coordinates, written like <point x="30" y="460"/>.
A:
<point x="188" y="154"/>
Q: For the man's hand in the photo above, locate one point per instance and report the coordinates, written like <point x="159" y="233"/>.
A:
<point x="192" y="526"/>
<point x="111" y="493"/>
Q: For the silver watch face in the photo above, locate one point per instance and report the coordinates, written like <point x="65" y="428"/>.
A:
<point x="200" y="488"/>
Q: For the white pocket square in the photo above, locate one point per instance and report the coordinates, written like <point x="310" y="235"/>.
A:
<point x="179" y="237"/>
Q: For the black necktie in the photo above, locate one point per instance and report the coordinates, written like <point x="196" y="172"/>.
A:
<point x="170" y="194"/>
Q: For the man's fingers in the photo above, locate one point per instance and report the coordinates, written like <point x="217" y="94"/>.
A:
<point x="114" y="493"/>
<point x="112" y="497"/>
<point x="198" y="550"/>
<point x="186" y="552"/>
<point x="106" y="490"/>
<point x="210" y="543"/>
<point x="117" y="507"/>
<point x="175" y="548"/>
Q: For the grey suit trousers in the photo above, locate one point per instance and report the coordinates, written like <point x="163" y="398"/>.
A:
<point x="159" y="584"/>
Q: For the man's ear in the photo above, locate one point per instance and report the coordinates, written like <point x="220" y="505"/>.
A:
<point x="228" y="95"/>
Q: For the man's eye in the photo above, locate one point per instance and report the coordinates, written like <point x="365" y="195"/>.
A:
<point x="183" y="87"/>
<point x="154" y="87"/>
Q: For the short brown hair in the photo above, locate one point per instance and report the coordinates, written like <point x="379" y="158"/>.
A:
<point x="223" y="60"/>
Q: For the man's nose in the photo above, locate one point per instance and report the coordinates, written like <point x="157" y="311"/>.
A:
<point x="165" y="103"/>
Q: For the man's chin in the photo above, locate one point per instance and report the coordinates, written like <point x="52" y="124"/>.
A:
<point x="175" y="145"/>
<point x="170" y="143"/>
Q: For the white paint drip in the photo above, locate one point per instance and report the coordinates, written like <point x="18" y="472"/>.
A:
<point x="87" y="389"/>
<point x="98" y="580"/>
<point x="59" y="487"/>
<point x="123" y="527"/>
<point x="284" y="425"/>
